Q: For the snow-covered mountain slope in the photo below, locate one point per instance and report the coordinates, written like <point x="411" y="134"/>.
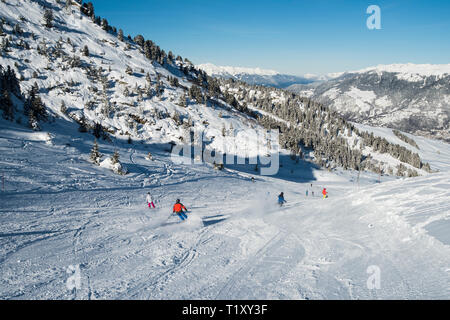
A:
<point x="435" y="152"/>
<point x="114" y="85"/>
<point x="412" y="98"/>
<point x="70" y="230"/>
<point x="256" y="76"/>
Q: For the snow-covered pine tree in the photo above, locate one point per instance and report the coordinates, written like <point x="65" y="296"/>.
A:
<point x="139" y="40"/>
<point x="63" y="107"/>
<point x="128" y="70"/>
<point x="48" y="18"/>
<point x="182" y="101"/>
<point x="115" y="157"/>
<point x="85" y="51"/>
<point x="35" y="104"/>
<point x="32" y="121"/>
<point x="120" y="35"/>
<point x="105" y="25"/>
<point x="95" y="156"/>
<point x="83" y="126"/>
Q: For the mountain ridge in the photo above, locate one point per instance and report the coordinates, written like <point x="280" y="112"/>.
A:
<point x="408" y="97"/>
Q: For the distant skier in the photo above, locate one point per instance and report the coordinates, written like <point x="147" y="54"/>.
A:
<point x="325" y="193"/>
<point x="150" y="201"/>
<point x="281" y="200"/>
<point x="306" y="193"/>
<point x="253" y="179"/>
<point x="178" y="209"/>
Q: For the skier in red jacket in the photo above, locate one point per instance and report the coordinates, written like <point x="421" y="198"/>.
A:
<point x="178" y="209"/>
<point x="325" y="193"/>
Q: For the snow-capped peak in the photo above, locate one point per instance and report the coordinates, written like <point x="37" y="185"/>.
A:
<point x="424" y="70"/>
<point x="212" y="70"/>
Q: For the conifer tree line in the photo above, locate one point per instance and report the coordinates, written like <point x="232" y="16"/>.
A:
<point x="9" y="85"/>
<point x="405" y="138"/>
<point x="33" y="107"/>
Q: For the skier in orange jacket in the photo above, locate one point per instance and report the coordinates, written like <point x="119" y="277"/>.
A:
<point x="325" y="193"/>
<point x="178" y="209"/>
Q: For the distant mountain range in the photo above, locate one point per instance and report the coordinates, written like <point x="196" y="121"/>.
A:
<point x="410" y="97"/>
<point x="257" y="76"/>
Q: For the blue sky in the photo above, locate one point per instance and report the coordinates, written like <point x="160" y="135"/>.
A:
<point x="294" y="37"/>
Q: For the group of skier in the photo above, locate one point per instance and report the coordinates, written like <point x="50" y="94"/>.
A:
<point x="282" y="201"/>
<point x="324" y="192"/>
<point x="178" y="208"/>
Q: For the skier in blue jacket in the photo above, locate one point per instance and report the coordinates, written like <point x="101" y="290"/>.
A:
<point x="281" y="199"/>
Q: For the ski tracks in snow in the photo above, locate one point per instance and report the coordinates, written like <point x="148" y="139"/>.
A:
<point x="145" y="289"/>
<point x="259" y="275"/>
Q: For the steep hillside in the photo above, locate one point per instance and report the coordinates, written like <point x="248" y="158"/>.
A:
<point x="77" y="71"/>
<point x="411" y="98"/>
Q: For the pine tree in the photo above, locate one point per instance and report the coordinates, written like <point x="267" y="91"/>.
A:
<point x="182" y="101"/>
<point x="85" y="51"/>
<point x="34" y="106"/>
<point x="139" y="39"/>
<point x="120" y="35"/>
<point x="63" y="107"/>
<point x="32" y="121"/>
<point x="176" y="118"/>
<point x="83" y="126"/>
<point x="48" y="18"/>
<point x="115" y="157"/>
<point x="7" y="106"/>
<point x="96" y="156"/>
<point x="105" y="25"/>
<point x="68" y="5"/>
<point x="98" y="130"/>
